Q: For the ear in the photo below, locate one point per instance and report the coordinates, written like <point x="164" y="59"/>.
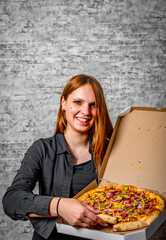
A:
<point x="63" y="103"/>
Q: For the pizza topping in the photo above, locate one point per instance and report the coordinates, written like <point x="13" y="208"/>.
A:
<point x="125" y="188"/>
<point x="122" y="204"/>
<point x="126" y="207"/>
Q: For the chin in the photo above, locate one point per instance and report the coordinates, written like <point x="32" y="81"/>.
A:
<point x="82" y="131"/>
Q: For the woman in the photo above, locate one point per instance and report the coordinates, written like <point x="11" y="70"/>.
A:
<point x="63" y="164"/>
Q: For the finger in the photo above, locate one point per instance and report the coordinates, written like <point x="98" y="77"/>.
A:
<point x="96" y="211"/>
<point x="84" y="222"/>
<point x="84" y="225"/>
<point x="93" y="217"/>
<point x="89" y="221"/>
<point x="101" y="222"/>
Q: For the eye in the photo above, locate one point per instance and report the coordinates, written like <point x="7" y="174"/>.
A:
<point x="77" y="102"/>
<point x="93" y="105"/>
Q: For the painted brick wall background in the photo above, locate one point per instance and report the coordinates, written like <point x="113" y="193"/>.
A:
<point x="43" y="43"/>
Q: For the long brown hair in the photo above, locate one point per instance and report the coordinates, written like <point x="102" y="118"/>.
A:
<point x="102" y="128"/>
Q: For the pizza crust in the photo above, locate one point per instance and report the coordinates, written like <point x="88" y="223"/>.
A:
<point x="107" y="218"/>
<point x="142" y="222"/>
<point x="130" y="187"/>
<point x="150" y="218"/>
<point x="126" y="226"/>
<point x="161" y="204"/>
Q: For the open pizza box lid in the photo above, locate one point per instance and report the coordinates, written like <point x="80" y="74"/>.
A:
<point x="136" y="155"/>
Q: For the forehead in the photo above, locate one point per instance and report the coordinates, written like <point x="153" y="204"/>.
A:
<point x="84" y="92"/>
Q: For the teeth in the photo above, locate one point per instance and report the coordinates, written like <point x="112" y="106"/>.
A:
<point x="82" y="119"/>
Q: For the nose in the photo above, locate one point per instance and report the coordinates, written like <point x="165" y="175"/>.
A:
<point x="85" y="109"/>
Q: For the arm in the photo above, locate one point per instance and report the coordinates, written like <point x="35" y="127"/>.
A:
<point x="74" y="212"/>
<point x="19" y="199"/>
<point x="52" y="209"/>
<point x="21" y="203"/>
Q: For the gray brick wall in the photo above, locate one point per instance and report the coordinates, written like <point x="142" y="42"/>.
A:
<point x="43" y="43"/>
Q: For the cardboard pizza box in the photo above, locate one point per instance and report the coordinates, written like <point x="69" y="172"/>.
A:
<point x="136" y="156"/>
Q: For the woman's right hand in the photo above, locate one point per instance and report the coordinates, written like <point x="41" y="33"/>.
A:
<point x="78" y="214"/>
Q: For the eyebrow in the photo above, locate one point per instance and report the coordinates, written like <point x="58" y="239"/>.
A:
<point x="80" y="99"/>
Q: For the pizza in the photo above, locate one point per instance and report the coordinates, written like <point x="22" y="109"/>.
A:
<point x="125" y="207"/>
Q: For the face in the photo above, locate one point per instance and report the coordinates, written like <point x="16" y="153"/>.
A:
<point x="80" y="109"/>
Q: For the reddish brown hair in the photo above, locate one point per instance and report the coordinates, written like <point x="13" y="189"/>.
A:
<point x="102" y="128"/>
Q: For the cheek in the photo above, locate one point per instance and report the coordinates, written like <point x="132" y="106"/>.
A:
<point x="94" y="113"/>
<point x="70" y="111"/>
<point x="73" y="109"/>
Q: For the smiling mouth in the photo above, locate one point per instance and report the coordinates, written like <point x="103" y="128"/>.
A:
<point x="83" y="119"/>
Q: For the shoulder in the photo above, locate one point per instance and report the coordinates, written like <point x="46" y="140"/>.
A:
<point x="42" y="146"/>
<point x="46" y="141"/>
<point x="48" y="147"/>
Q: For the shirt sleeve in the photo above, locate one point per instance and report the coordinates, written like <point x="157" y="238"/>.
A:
<point x="19" y="199"/>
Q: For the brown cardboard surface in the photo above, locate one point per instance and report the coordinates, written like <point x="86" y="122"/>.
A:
<point x="138" y="153"/>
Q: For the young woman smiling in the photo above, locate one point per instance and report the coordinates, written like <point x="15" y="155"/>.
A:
<point x="63" y="164"/>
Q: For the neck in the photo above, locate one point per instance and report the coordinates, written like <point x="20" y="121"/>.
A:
<point x="76" y="139"/>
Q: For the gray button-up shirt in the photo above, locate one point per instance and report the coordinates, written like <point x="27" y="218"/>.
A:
<point x="49" y="162"/>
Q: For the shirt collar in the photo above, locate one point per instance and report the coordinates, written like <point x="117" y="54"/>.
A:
<point x="62" y="144"/>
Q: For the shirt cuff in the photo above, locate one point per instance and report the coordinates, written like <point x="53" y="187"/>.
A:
<point x="41" y="204"/>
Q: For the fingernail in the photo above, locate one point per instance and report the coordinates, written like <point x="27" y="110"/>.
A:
<point x="105" y="224"/>
<point x="98" y="211"/>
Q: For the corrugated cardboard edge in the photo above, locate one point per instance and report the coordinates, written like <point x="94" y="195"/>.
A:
<point x="125" y="112"/>
<point x="129" y="109"/>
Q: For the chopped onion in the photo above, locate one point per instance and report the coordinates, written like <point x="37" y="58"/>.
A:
<point x="131" y="200"/>
<point x="128" y="206"/>
<point x="116" y="201"/>
<point x="123" y="215"/>
<point x="106" y="210"/>
<point x="147" y="205"/>
<point x="143" y="210"/>
<point x="120" y="210"/>
<point x="129" y="212"/>
<point x="136" y="196"/>
<point x="139" y="206"/>
<point x="110" y="205"/>
<point x="110" y="211"/>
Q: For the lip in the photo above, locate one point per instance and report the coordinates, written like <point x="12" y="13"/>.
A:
<point x="83" y="120"/>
